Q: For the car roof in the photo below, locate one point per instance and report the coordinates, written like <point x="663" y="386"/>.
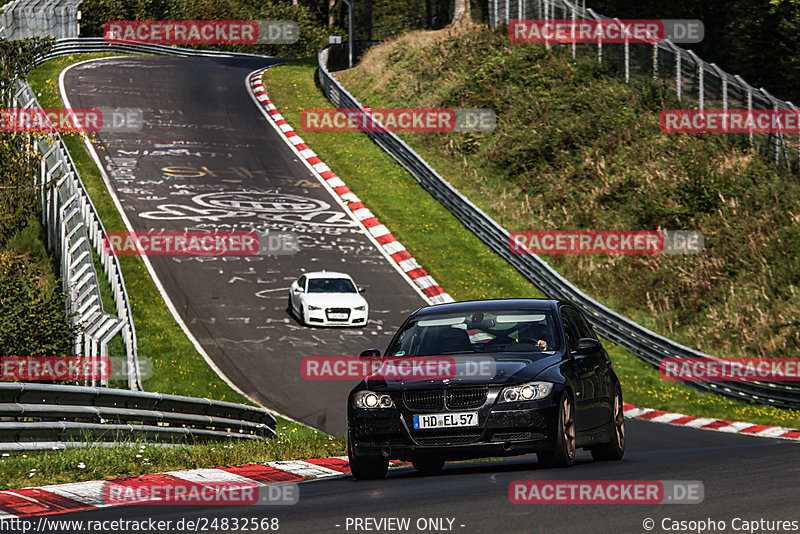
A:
<point x="327" y="274"/>
<point x="487" y="305"/>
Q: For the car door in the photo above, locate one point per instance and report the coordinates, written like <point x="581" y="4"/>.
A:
<point x="595" y="373"/>
<point x="604" y="375"/>
<point x="575" y="369"/>
<point x="295" y="296"/>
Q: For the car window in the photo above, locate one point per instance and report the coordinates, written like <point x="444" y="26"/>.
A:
<point x="584" y="330"/>
<point x="331" y="285"/>
<point x="302" y="283"/>
<point x="484" y="331"/>
<point x="569" y="328"/>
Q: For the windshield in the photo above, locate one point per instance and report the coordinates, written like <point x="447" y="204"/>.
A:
<point x="331" y="285"/>
<point x="500" y="331"/>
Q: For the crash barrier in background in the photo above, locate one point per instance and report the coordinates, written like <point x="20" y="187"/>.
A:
<point x="74" y="229"/>
<point x="705" y="84"/>
<point x="47" y="416"/>
<point x="88" y="45"/>
<point x="29" y="18"/>
<point x="642" y="342"/>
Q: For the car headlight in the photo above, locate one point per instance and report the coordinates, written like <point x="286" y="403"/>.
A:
<point x="314" y="308"/>
<point x="360" y="308"/>
<point x="372" y="401"/>
<point x="525" y="392"/>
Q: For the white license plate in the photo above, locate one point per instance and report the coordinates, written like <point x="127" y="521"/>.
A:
<point x="337" y="316"/>
<point x="446" y="420"/>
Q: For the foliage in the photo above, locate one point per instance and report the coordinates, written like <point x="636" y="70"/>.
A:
<point x="577" y="148"/>
<point x="757" y="39"/>
<point x="33" y="321"/>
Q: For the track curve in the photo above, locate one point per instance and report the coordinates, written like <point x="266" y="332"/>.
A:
<point x="207" y="159"/>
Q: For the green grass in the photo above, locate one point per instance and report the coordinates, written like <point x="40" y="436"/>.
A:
<point x="456" y="258"/>
<point x="138" y="458"/>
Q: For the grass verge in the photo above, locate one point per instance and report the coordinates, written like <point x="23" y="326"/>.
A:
<point x="457" y="259"/>
<point x="139" y="458"/>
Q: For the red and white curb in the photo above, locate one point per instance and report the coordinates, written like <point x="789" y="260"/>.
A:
<point x="391" y="247"/>
<point x="704" y="423"/>
<point x="78" y="496"/>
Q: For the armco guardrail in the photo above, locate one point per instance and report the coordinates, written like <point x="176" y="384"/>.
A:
<point x="642" y="342"/>
<point x="86" y="45"/>
<point x="73" y="230"/>
<point x="50" y="416"/>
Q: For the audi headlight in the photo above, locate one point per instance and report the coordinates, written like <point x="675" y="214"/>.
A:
<point x="360" y="308"/>
<point x="526" y="392"/>
<point x="370" y="400"/>
<point x="314" y="308"/>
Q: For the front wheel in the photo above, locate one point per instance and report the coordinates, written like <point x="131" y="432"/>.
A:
<point x="615" y="449"/>
<point x="368" y="467"/>
<point x="563" y="454"/>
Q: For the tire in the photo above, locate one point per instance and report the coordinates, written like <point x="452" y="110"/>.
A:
<point x="368" y="467"/>
<point x="428" y="465"/>
<point x="615" y="449"/>
<point x="303" y="317"/>
<point x="563" y="454"/>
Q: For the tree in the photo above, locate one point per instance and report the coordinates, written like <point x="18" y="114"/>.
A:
<point x="461" y="14"/>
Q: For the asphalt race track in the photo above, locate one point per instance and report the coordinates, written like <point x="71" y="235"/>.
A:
<point x="207" y="159"/>
<point x="743" y="476"/>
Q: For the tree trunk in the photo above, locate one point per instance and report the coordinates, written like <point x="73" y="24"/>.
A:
<point x="331" y="5"/>
<point x="461" y="14"/>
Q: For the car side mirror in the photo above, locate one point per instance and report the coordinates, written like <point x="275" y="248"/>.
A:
<point x="586" y="345"/>
<point x="361" y="289"/>
<point x="298" y="289"/>
<point x="369" y="354"/>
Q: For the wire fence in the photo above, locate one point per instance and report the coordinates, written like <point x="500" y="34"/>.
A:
<point x="30" y="18"/>
<point x="702" y="85"/>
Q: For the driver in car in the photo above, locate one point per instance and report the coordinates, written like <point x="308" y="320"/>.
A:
<point x="535" y="333"/>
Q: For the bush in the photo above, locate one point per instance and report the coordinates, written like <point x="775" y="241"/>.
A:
<point x="33" y="321"/>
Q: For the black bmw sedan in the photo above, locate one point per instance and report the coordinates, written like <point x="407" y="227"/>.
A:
<point x="531" y="376"/>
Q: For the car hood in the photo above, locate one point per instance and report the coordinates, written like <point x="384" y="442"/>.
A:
<point x="509" y="368"/>
<point x="334" y="300"/>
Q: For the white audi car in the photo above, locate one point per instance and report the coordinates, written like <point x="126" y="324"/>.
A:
<point x="328" y="299"/>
